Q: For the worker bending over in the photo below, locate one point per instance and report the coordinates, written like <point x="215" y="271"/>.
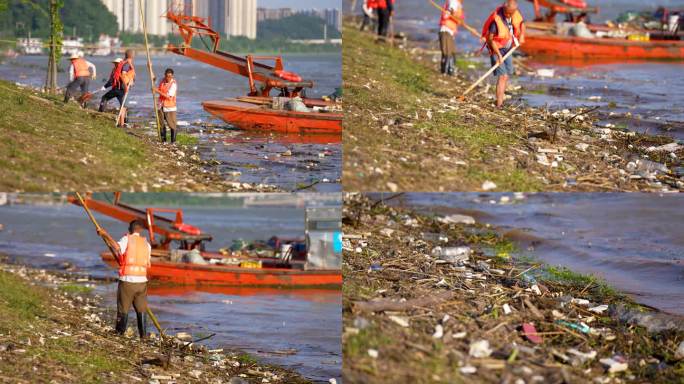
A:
<point x="167" y="91"/>
<point x="121" y="80"/>
<point x="133" y="252"/>
<point x="448" y="27"/>
<point x="80" y="73"/>
<point x="503" y="30"/>
<point x="369" y="13"/>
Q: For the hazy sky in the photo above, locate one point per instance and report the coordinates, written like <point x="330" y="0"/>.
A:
<point x="298" y="4"/>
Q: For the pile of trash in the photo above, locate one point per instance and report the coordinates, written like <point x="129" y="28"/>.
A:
<point x="427" y="300"/>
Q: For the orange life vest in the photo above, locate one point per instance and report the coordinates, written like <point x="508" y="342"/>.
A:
<point x="80" y="68"/>
<point x="503" y="36"/>
<point x="126" y="78"/>
<point x="136" y="259"/>
<point x="447" y="20"/>
<point x="382" y="4"/>
<point x="167" y="102"/>
<point x="372" y="4"/>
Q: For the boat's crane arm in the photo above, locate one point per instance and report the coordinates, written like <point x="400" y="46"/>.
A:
<point x="191" y="26"/>
<point x="169" y="230"/>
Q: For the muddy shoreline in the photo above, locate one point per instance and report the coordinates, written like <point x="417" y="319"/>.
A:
<point x="413" y="312"/>
<point x="27" y="354"/>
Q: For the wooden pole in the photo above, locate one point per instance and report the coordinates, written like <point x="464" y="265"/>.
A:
<point x="149" y="68"/>
<point x="491" y="70"/>
<point x="98" y="228"/>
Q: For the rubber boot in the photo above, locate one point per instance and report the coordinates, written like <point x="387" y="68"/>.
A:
<point x="173" y="136"/>
<point x="443" y="66"/>
<point x="451" y="67"/>
<point x="142" y="325"/>
<point x="121" y="323"/>
<point x="163" y="133"/>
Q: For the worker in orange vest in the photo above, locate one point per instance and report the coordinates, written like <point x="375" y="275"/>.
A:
<point x="80" y="73"/>
<point x="503" y="30"/>
<point x="369" y="14"/>
<point x="167" y="91"/>
<point x="448" y="27"/>
<point x="133" y="253"/>
<point x="385" y="11"/>
<point x="121" y="80"/>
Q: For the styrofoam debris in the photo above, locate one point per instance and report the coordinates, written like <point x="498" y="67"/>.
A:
<point x="480" y="348"/>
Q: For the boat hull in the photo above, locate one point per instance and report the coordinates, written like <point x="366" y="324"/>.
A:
<point x="254" y="117"/>
<point x="578" y="48"/>
<point x="235" y="276"/>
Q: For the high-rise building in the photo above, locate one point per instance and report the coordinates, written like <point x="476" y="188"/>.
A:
<point x="230" y="17"/>
<point x="127" y="14"/>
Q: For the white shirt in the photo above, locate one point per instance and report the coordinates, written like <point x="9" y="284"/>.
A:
<point x="172" y="93"/>
<point x="454" y="7"/>
<point x="123" y="245"/>
<point x="91" y="66"/>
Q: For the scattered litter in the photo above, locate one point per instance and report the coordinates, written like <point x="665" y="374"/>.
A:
<point x="488" y="185"/>
<point x="468" y="370"/>
<point x="480" y="348"/>
<point x="387" y="232"/>
<point x="401" y="321"/>
<point x="456" y="219"/>
<point x="439" y="332"/>
<point x="615" y="364"/>
<point x="575" y="326"/>
<point x="546" y="72"/>
<point x="183" y="336"/>
<point x="373" y="353"/>
<point x="530" y="333"/>
<point x="507" y="309"/>
<point x="672" y="147"/>
<point x="679" y="354"/>
<point x="583" y="302"/>
<point x="452" y="254"/>
<point x="599" y="308"/>
<point x="583" y="357"/>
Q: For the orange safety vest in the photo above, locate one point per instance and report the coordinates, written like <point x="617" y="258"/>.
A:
<point x="382" y="4"/>
<point x="447" y="20"/>
<point x="167" y="102"/>
<point x="503" y="36"/>
<point x="80" y="68"/>
<point x="136" y="259"/>
<point x="372" y="4"/>
<point x="126" y="77"/>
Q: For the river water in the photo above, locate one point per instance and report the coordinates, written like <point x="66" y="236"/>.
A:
<point x="306" y="324"/>
<point x="633" y="241"/>
<point x="257" y="157"/>
<point x="652" y="92"/>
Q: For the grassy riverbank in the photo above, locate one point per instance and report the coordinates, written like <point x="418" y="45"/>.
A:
<point x="49" y="146"/>
<point x="411" y="317"/>
<point x="405" y="129"/>
<point x="52" y="329"/>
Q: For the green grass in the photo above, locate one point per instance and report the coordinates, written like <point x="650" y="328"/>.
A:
<point x="19" y="303"/>
<point x="185" y="139"/>
<point x="245" y="358"/>
<point x="50" y="146"/>
<point x="577" y="280"/>
<point x="75" y="288"/>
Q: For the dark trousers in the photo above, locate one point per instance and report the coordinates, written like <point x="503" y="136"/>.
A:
<point x="117" y="93"/>
<point x="168" y="119"/>
<point x="383" y="21"/>
<point x="128" y="294"/>
<point x="80" y="83"/>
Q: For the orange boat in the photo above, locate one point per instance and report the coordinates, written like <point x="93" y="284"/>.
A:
<point x="579" y="48"/>
<point x="300" y="267"/>
<point x="250" y="116"/>
<point x="258" y="111"/>
<point x="269" y="275"/>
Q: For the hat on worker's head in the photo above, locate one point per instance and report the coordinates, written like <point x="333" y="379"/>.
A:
<point x="117" y="60"/>
<point x="74" y="56"/>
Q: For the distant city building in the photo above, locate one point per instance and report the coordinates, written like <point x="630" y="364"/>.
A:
<point x="332" y="16"/>
<point x="230" y="17"/>
<point x="127" y="14"/>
